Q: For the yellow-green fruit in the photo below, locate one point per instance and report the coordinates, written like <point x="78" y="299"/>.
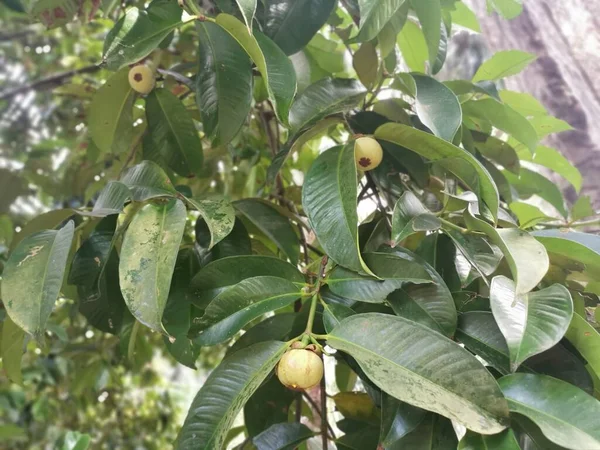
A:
<point x="141" y="79"/>
<point x="300" y="369"/>
<point x="368" y="153"/>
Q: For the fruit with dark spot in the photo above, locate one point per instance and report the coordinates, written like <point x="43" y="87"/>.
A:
<point x="141" y="79"/>
<point x="300" y="369"/>
<point x="367" y="153"/>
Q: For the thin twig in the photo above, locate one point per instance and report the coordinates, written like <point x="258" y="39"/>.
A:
<point x="314" y="406"/>
<point x="324" y="422"/>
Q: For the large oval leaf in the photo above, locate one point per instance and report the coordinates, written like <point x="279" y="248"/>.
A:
<point x="147" y="180"/>
<point x="423" y="368"/>
<point x="455" y="159"/>
<point x="329" y="200"/>
<point x="218" y="214"/>
<point x="374" y="14"/>
<point x="148" y="257"/>
<point x="503" y="64"/>
<point x="235" y="307"/>
<point x="532" y="322"/>
<point x="283" y="436"/>
<point x="222" y="396"/>
<point x="223" y="83"/>
<point x="33" y="276"/>
<point x="429" y="13"/>
<point x="437" y="107"/>
<point x="565" y="414"/>
<point x="501" y="441"/>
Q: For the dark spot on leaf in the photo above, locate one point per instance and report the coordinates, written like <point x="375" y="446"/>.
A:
<point x="364" y="162"/>
<point x="59" y="13"/>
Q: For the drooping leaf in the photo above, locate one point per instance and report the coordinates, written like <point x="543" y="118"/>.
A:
<point x="111" y="199"/>
<point x="147" y="180"/>
<point x="275" y="328"/>
<point x="283" y="436"/>
<point x="223" y="83"/>
<point x="501" y="441"/>
<point x="429" y="13"/>
<point x="532" y="322"/>
<point x="220" y="399"/>
<point x="413" y="46"/>
<point x="247" y="8"/>
<point x="423" y="368"/>
<point x="410" y="216"/>
<point x="148" y="257"/>
<point x="33" y="276"/>
<point x="11" y="350"/>
<point x="503" y="64"/>
<point x="586" y="340"/>
<point x="218" y="214"/>
<point x="566" y="415"/>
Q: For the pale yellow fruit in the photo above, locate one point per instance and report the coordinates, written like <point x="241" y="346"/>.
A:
<point x="141" y="79"/>
<point x="300" y="369"/>
<point x="367" y="153"/>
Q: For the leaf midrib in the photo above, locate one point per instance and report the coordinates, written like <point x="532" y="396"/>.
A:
<point x="173" y="132"/>
<point x="41" y="296"/>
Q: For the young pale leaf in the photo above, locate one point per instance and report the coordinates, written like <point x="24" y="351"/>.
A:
<point x="413" y="46"/>
<point x="455" y="159"/>
<point x="172" y="133"/>
<point x="223" y="83"/>
<point x="11" y="350"/>
<point x="509" y="9"/>
<point x="147" y="180"/>
<point x="410" y="216"/>
<point x="437" y="107"/>
<point x="423" y="368"/>
<point x="224" y="393"/>
<point x="523" y="103"/>
<point x="238" y="305"/>
<point x="111" y="199"/>
<point x="528" y="215"/>
<point x="33" y="276"/>
<point x="554" y="160"/>
<point x="283" y="436"/>
<point x="148" y="257"/>
<point x="501" y="441"/>
<point x="139" y="32"/>
<point x="586" y="339"/>
<point x="247" y="8"/>
<point x="276" y="69"/>
<point x="329" y="200"/>
<point x="463" y="16"/>
<point x="566" y="415"/>
<point x="374" y="14"/>
<point x="503" y="64"/>
<point x="111" y="114"/>
<point x="429" y="13"/>
<point x="532" y="322"/>
<point x="218" y="214"/>
<point x="386" y="39"/>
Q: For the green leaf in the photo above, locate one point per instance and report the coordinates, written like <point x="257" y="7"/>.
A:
<point x="527" y="259"/>
<point x="393" y="270"/>
<point x="523" y="103"/>
<point x="218" y="214"/>
<point x="223" y="83"/>
<point x="139" y="32"/>
<point x="329" y="200"/>
<point x="366" y="64"/>
<point x="497" y="150"/>
<point x="386" y="39"/>
<point x="554" y="160"/>
<point x="455" y="159"/>
<point x="374" y="14"/>
<point x="357" y="406"/>
<point x="545" y="125"/>
<point x="148" y="257"/>
<point x="275" y="226"/>
<point x="529" y="183"/>
<point x="223" y="273"/>
<point x="111" y="114"/>
<point x="503" y="64"/>
<point x="477" y="251"/>
<point x="429" y="13"/>
<point x="509" y="9"/>
<point x="292" y="24"/>
<point x="433" y="433"/>
<point x="566" y="415"/>
<point x="334" y="313"/>
<point x="233" y="308"/>
<point x="172" y="133"/>
<point x="221" y="397"/>
<point x="461" y="15"/>
<point x="437" y="107"/>
<point x="530" y="436"/>
<point x="146" y="181"/>
<point x="410" y="216"/>
<point x="283" y="436"/>
<point x="533" y="322"/>
<point x="269" y="405"/>
<point x="275" y="328"/>
<point x="247" y="8"/>
<point x="53" y="13"/>
<point x="501" y="441"/>
<point x="397" y="420"/>
<point x="276" y="69"/>
<point x="11" y="350"/>
<point x="586" y="340"/>
<point x="582" y="208"/>
<point x="413" y="46"/>
<point x="111" y="199"/>
<point x="33" y="276"/>
<point x="528" y="215"/>
<point x="423" y="368"/>
<point x="51" y="219"/>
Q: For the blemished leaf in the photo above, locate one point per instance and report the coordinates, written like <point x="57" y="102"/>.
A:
<point x="410" y="216"/>
<point x="33" y="276"/>
<point x="413" y="46"/>
<point x="505" y="440"/>
<point x="147" y="180"/>
<point x="223" y="83"/>
<point x="437" y="107"/>
<point x="282" y="436"/>
<point x="429" y="13"/>
<point x="374" y="14"/>
<point x="172" y="134"/>
<point x="247" y="8"/>
<point x="275" y="226"/>
<point x="433" y="433"/>
<point x="554" y="160"/>
<point x="503" y="64"/>
<point x="423" y="368"/>
<point x="11" y="350"/>
<point x="219" y="275"/>
<point x="219" y="216"/>
<point x="139" y="32"/>
<point x="111" y="114"/>
<point x="329" y="200"/>
<point x="509" y="9"/>
<point x="397" y="420"/>
<point x="222" y="396"/>
<point x="236" y="306"/>
<point x="545" y="125"/>
<point x="455" y="159"/>
<point x="276" y="69"/>
<point x="393" y="272"/>
<point x="275" y="328"/>
<point x="566" y="415"/>
<point x="111" y="199"/>
<point x="532" y="322"/>
<point x="586" y="340"/>
<point x="292" y="24"/>
<point x="526" y="257"/>
<point x="148" y="257"/>
<point x="461" y="15"/>
<point x="366" y="64"/>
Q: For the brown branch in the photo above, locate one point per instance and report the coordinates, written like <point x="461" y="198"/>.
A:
<point x="324" y="423"/>
<point x="314" y="406"/>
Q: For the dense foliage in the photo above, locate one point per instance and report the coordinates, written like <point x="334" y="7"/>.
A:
<point x="201" y="196"/>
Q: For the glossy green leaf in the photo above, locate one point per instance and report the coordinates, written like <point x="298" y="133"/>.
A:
<point x="223" y="83"/>
<point x="247" y="8"/>
<point x="429" y="13"/>
<point x="11" y="350"/>
<point x="503" y="64"/>
<point x="283" y="436"/>
<point x="586" y="339"/>
<point x="111" y="199"/>
<point x="566" y="415"/>
<point x="529" y="183"/>
<point x="397" y="420"/>
<point x="386" y="39"/>
<point x="501" y="441"/>
<point x="219" y="215"/>
<point x="455" y="159"/>
<point x="374" y="14"/>
<point x="532" y="322"/>
<point x="509" y="9"/>
<point x="329" y="200"/>
<point x="477" y="251"/>
<point x="497" y="150"/>
<point x="366" y="64"/>
<point x="276" y="69"/>
<point x="33" y="276"/>
<point x="222" y="396"/>
<point x="554" y="160"/>
<point x="413" y="46"/>
<point x="111" y="114"/>
<point x="139" y="32"/>
<point x="334" y="313"/>
<point x="277" y="327"/>
<point x="528" y="215"/>
<point x="147" y="180"/>
<point x="545" y="125"/>
<point x="423" y="368"/>
<point x="523" y="103"/>
<point x="437" y="106"/>
<point x="148" y="257"/>
<point x="530" y="436"/>
<point x="238" y="305"/>
<point x="410" y="216"/>
<point x="269" y="405"/>
<point x="172" y="133"/>
<point x="50" y="219"/>
<point x="433" y="433"/>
